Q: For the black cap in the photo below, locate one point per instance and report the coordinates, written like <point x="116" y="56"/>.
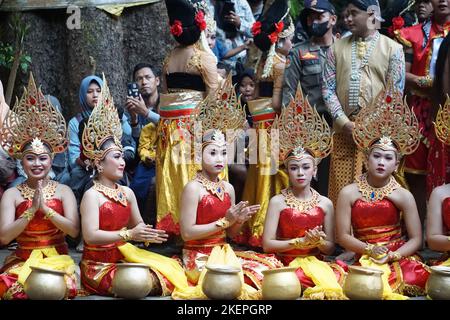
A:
<point x="317" y="6"/>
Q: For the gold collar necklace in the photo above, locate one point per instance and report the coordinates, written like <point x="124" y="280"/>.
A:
<point x="28" y="193"/>
<point x="216" y="188"/>
<point x="116" y="194"/>
<point x="371" y="194"/>
<point x="301" y="205"/>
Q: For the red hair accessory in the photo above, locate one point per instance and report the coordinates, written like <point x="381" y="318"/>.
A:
<point x="279" y="27"/>
<point x="256" y="28"/>
<point x="273" y="37"/>
<point x="176" y="28"/>
<point x="200" y="20"/>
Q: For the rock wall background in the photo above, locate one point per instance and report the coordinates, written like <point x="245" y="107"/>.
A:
<point x="61" y="57"/>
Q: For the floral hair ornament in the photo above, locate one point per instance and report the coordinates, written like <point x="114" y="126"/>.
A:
<point x="33" y="121"/>
<point x="176" y="28"/>
<point x="103" y="125"/>
<point x="303" y="132"/>
<point x="388" y="124"/>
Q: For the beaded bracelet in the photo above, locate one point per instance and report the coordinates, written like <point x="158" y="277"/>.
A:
<point x="50" y="213"/>
<point x="28" y="214"/>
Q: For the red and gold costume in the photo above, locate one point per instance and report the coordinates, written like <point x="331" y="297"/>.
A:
<point x="408" y="275"/>
<point x="390" y="125"/>
<point x="40" y="235"/>
<point x="294" y="223"/>
<point x="99" y="262"/>
<point x="35" y="126"/>
<point x="431" y="157"/>
<point x="266" y="177"/>
<point x="196" y="252"/>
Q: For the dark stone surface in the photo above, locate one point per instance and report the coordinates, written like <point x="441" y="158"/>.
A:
<point x="62" y="57"/>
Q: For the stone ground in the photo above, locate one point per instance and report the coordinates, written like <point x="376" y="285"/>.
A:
<point x="426" y="254"/>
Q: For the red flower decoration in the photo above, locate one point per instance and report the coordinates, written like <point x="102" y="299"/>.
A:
<point x="176" y="28"/>
<point x="397" y="23"/>
<point x="388" y="99"/>
<point x="200" y="20"/>
<point x="256" y="28"/>
<point x="273" y="37"/>
<point x="279" y="27"/>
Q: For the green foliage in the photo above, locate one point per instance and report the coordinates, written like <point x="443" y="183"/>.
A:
<point x="7" y="57"/>
<point x="9" y="50"/>
<point x="296" y="7"/>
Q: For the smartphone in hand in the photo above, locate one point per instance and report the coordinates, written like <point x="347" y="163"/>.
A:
<point x="133" y="90"/>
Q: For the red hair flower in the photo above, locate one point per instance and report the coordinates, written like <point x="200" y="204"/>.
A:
<point x="200" y="20"/>
<point x="256" y="28"/>
<point x="273" y="37"/>
<point x="279" y="27"/>
<point x="398" y="23"/>
<point x="176" y="28"/>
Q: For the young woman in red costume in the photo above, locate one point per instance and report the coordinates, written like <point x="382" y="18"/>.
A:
<point x="299" y="225"/>
<point x="39" y="212"/>
<point x="375" y="217"/>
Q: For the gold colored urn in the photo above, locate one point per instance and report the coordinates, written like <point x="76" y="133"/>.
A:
<point x="222" y="282"/>
<point x="281" y="284"/>
<point x="363" y="283"/>
<point x="132" y="281"/>
<point x="438" y="284"/>
<point x="45" y="284"/>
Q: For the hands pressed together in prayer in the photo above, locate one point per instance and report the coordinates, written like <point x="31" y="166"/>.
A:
<point x="241" y="212"/>
<point x="145" y="233"/>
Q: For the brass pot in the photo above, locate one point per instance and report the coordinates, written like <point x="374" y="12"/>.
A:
<point x="281" y="284"/>
<point x="363" y="283"/>
<point x="45" y="284"/>
<point x="222" y="282"/>
<point x="438" y="284"/>
<point x="132" y="281"/>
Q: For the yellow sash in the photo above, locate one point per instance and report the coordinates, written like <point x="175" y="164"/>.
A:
<point x="53" y="261"/>
<point x="223" y="255"/>
<point x="323" y="277"/>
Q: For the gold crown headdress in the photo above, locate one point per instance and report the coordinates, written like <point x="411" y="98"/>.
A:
<point x="442" y="124"/>
<point x="388" y="123"/>
<point x="302" y="131"/>
<point x="221" y="111"/>
<point x="33" y="120"/>
<point x="103" y="124"/>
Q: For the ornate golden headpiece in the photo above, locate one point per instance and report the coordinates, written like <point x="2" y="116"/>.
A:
<point x="388" y="124"/>
<point x="221" y="112"/>
<point x="442" y="124"/>
<point x="103" y="124"/>
<point x="302" y="131"/>
<point x="33" y="120"/>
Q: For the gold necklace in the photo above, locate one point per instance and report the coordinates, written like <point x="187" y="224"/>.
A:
<point x="116" y="194"/>
<point x="216" y="188"/>
<point x="301" y="205"/>
<point x="370" y="193"/>
<point x="47" y="192"/>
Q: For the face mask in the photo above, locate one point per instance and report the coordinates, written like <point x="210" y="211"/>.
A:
<point x="318" y="29"/>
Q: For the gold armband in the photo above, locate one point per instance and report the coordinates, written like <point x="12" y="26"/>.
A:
<point x="125" y="234"/>
<point x="425" y="81"/>
<point x="27" y="214"/>
<point x="50" y="213"/>
<point x="223" y="223"/>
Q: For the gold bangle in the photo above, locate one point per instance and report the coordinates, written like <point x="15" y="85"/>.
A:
<point x="299" y="243"/>
<point x="394" y="256"/>
<point x="369" y="249"/>
<point x="425" y="81"/>
<point x="125" y="234"/>
<point x="27" y="214"/>
<point x="50" y="213"/>
<point x="223" y="223"/>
